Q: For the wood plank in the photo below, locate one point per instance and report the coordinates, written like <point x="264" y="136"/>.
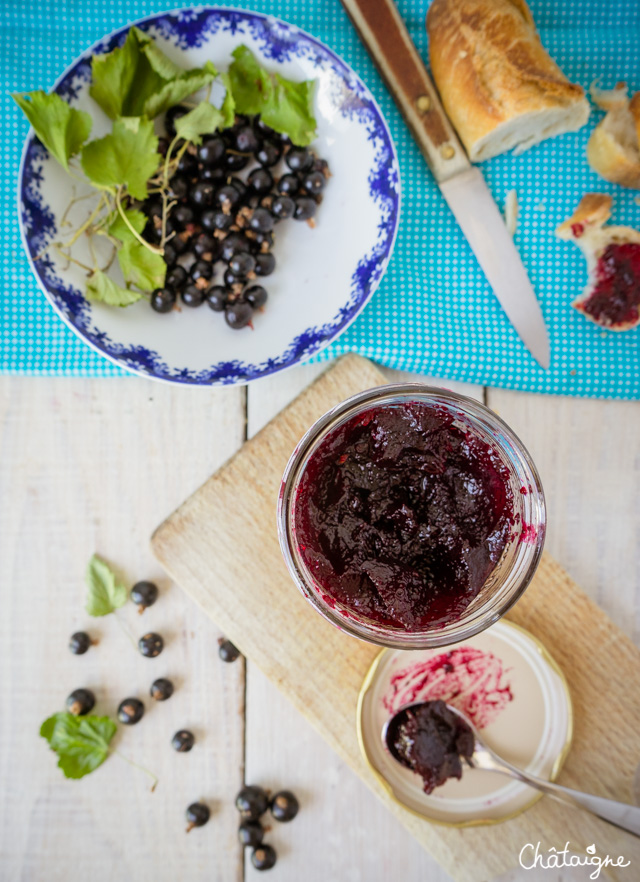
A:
<point x="90" y="465"/>
<point x="321" y="669"/>
<point x="587" y="455"/>
<point x="335" y="800"/>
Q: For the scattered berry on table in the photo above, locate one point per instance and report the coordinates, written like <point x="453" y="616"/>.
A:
<point x="256" y="296"/>
<point x="305" y="208"/>
<point x="217" y="298"/>
<point x="144" y="594"/>
<point x="265" y="263"/>
<point x="161" y="689"/>
<point x="193" y="296"/>
<point x="151" y="644"/>
<point x="227" y="651"/>
<point x="238" y="315"/>
<point x="250" y="833"/>
<point x="80" y="702"/>
<point x="79" y="642"/>
<point x="183" y="741"/>
<point x="130" y="711"/>
<point x="284" y="806"/>
<point x="252" y="802"/>
<point x="197" y="815"/>
<point x="264" y="857"/>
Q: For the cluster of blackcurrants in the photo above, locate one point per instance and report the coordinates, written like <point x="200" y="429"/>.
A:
<point x="219" y="217"/>
<point x="131" y="710"/>
<point x="252" y="802"/>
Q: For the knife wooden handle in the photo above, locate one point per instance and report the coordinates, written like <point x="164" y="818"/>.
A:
<point x="383" y="32"/>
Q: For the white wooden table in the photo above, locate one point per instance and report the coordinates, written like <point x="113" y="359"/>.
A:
<point x="96" y="465"/>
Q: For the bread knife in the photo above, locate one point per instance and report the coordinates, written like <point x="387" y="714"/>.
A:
<point x="385" y="36"/>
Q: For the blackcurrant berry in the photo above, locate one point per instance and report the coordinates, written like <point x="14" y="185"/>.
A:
<point x="152" y="208"/>
<point x="314" y="182"/>
<point x="256" y="296"/>
<point x="262" y="242"/>
<point x="217" y="298"/>
<point x="260" y="181"/>
<point x="212" y="173"/>
<point x="284" y="806"/>
<point x="80" y="702"/>
<point x="299" y="159"/>
<point x="183" y="215"/>
<point x="238" y="315"/>
<point x="161" y="689"/>
<point x="187" y="165"/>
<point x="262" y="129"/>
<point x="201" y="269"/>
<point x="264" y="857"/>
<point x="183" y="741"/>
<point x="197" y="815"/>
<point x="234" y="243"/>
<point x="151" y="644"/>
<point x="265" y="263"/>
<point x="201" y="194"/>
<point x="252" y="802"/>
<point x="242" y="263"/>
<point x="236" y="161"/>
<point x="269" y="154"/>
<point x="239" y="185"/>
<point x="206" y="246"/>
<point x="170" y="254"/>
<point x="216" y="220"/>
<point x="163" y="299"/>
<point x="192" y="296"/>
<point x="230" y="278"/>
<point x="79" y="642"/>
<point x="227" y="651"/>
<point x="178" y="187"/>
<point x="288" y="185"/>
<point x="211" y="151"/>
<point x="305" y="208"/>
<point x="176" y="277"/>
<point x="130" y="711"/>
<point x="246" y="140"/>
<point x="261" y="220"/>
<point x="144" y="594"/>
<point x="283" y="207"/>
<point x="250" y="833"/>
<point x="227" y="197"/>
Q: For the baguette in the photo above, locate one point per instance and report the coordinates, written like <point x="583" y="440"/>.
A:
<point x="613" y="150"/>
<point x="499" y="87"/>
<point x="611" y="298"/>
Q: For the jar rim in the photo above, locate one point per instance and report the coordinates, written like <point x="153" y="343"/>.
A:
<point x="523" y="563"/>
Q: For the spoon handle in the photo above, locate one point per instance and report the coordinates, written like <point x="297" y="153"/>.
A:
<point x="622" y="815"/>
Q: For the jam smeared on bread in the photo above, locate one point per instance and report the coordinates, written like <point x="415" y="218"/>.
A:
<point x="612" y="296"/>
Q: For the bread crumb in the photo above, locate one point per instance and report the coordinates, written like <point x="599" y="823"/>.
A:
<point x="637" y="200"/>
<point x="511" y="209"/>
<point x="542" y="205"/>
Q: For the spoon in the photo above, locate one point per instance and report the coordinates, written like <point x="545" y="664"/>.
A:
<point x="619" y="814"/>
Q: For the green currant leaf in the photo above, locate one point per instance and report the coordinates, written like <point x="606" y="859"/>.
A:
<point x="106" y="592"/>
<point x="284" y="105"/>
<point x="62" y="129"/>
<point x="202" y="120"/>
<point x="176" y="90"/>
<point x="141" y="267"/>
<point x="113" y="75"/>
<point x="127" y="157"/>
<point x="119" y="228"/>
<point x="228" y="107"/>
<point x="82" y="743"/>
<point x="104" y="290"/>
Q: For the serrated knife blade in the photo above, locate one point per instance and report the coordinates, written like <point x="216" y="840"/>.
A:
<point x="385" y="36"/>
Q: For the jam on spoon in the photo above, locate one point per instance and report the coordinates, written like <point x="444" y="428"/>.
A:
<point x="402" y="513"/>
<point x="431" y="740"/>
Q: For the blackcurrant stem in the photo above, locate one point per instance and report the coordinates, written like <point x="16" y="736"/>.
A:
<point x="63" y="253"/>
<point x="87" y="223"/>
<point x="133" y="230"/>
<point x="153" y="777"/>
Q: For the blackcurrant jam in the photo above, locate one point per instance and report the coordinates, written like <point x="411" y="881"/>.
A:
<point x="401" y="514"/>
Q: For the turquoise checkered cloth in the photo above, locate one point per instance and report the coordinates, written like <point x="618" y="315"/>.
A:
<point x="434" y="313"/>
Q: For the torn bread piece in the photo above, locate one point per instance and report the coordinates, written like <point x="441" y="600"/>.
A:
<point x="611" y="298"/>
<point x="613" y="150"/>
<point x="499" y="86"/>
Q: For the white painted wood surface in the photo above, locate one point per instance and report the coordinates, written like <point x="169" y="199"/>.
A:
<point x="91" y="465"/>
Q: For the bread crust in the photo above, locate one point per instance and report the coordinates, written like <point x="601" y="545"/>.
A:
<point x="491" y="68"/>
<point x="613" y="150"/>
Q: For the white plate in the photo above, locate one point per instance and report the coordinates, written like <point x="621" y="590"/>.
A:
<point x="510" y="687"/>
<point x="324" y="276"/>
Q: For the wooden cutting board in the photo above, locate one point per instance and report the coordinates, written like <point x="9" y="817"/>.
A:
<point x="244" y="586"/>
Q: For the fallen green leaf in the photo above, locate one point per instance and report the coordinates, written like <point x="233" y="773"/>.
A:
<point x="104" y="290"/>
<point x="106" y="592"/>
<point x="82" y="743"/>
<point x="62" y="129"/>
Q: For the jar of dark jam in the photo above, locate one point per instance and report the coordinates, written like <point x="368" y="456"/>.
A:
<point x="411" y="516"/>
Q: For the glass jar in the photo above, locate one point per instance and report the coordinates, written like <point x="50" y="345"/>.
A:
<point x="520" y="556"/>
